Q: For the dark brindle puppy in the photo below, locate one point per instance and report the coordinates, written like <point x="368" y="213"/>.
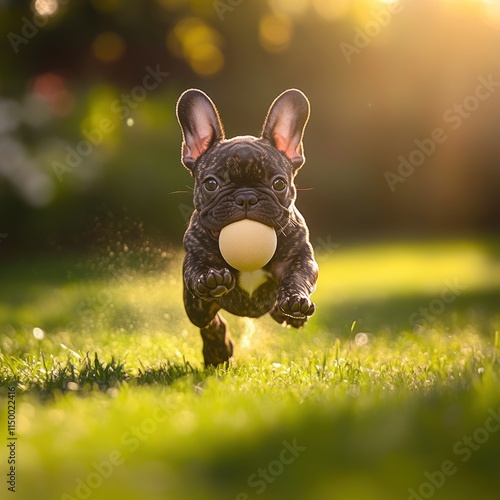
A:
<point x="253" y="178"/>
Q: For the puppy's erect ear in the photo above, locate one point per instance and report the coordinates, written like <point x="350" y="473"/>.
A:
<point x="200" y="124"/>
<point x="285" y="124"/>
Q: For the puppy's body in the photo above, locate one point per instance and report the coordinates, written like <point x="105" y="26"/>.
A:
<point x="244" y="177"/>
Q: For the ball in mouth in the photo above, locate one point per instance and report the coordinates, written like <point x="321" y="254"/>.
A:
<point x="247" y="245"/>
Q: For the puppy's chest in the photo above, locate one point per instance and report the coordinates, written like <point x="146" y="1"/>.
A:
<point x="251" y="280"/>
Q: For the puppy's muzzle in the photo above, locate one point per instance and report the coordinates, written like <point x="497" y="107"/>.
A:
<point x="246" y="200"/>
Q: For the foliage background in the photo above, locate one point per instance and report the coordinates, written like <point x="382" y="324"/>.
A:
<point x="367" y="110"/>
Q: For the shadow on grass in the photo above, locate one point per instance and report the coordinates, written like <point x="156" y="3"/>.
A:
<point x="394" y="314"/>
<point x="48" y="377"/>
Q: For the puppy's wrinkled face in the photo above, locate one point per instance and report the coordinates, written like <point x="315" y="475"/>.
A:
<point x="245" y="177"/>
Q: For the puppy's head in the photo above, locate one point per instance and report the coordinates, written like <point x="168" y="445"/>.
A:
<point x="245" y="177"/>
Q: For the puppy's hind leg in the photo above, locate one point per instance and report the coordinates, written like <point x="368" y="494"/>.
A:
<point x="217" y="345"/>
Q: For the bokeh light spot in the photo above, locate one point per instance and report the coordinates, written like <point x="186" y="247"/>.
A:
<point x="108" y="47"/>
<point x="99" y="112"/>
<point x="206" y="59"/>
<point x="51" y="88"/>
<point x="275" y="32"/>
<point x="38" y="333"/>
<point x="199" y="44"/>
<point x="46" y="7"/>
<point x="361" y="339"/>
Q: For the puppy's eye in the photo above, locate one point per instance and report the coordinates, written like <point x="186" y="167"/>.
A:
<point x="211" y="184"/>
<point x="279" y="184"/>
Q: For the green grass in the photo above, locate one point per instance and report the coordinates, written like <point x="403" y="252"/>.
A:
<point x="374" y="396"/>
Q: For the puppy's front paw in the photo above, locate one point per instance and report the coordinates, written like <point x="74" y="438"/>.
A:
<point x="215" y="283"/>
<point x="297" y="307"/>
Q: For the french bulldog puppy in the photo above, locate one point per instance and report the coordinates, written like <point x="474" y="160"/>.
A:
<point x="245" y="177"/>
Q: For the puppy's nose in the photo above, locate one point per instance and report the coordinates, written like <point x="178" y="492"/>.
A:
<point x="246" y="200"/>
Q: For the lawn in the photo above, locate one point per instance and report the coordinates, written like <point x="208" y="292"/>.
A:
<point x="390" y="392"/>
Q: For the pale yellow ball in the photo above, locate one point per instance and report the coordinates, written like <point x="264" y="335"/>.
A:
<point x="247" y="245"/>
